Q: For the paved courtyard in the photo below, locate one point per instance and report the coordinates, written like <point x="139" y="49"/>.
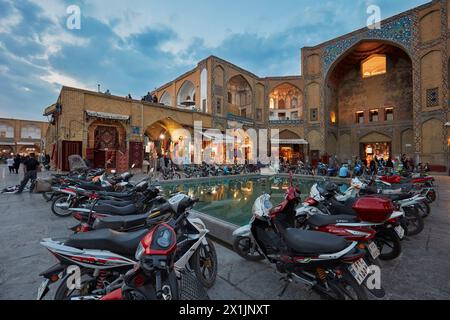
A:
<point x="422" y="272"/>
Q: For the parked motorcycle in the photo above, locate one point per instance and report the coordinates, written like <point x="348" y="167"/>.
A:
<point x="330" y="265"/>
<point x="145" y="264"/>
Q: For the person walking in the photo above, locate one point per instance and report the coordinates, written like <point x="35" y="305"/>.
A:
<point x="10" y="164"/>
<point x="31" y="166"/>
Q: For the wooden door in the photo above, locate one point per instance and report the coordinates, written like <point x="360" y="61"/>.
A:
<point x="70" y="148"/>
<point x="136" y="154"/>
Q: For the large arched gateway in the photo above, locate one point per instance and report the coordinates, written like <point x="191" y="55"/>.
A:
<point x="369" y="90"/>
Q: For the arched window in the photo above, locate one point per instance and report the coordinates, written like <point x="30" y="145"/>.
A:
<point x="31" y="132"/>
<point x="240" y="97"/>
<point x="186" y="95"/>
<point x="166" y="99"/>
<point x="204" y="90"/>
<point x="374" y="65"/>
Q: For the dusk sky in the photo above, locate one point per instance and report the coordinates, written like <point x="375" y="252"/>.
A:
<point x="135" y="46"/>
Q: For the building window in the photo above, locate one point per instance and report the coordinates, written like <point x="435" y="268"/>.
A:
<point x="294" y="115"/>
<point x="314" y="115"/>
<point x="31" y="132"/>
<point x="433" y="97"/>
<point x="219" y="106"/>
<point x="230" y="97"/>
<point x="374" y="116"/>
<point x="374" y="65"/>
<point x="333" y="117"/>
<point x="272" y="114"/>
<point x="6" y="131"/>
<point x="360" y="117"/>
<point x="389" y="114"/>
<point x="259" y="114"/>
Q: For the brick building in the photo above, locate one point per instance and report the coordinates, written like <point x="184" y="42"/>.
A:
<point x="21" y="137"/>
<point x="373" y="92"/>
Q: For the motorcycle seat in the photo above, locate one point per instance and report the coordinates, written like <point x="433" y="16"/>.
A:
<point x="115" y="203"/>
<point x="314" y="243"/>
<point x="117" y="211"/>
<point x="320" y="220"/>
<point x="119" y="195"/>
<point x="120" y="223"/>
<point x="90" y="186"/>
<point x="108" y="240"/>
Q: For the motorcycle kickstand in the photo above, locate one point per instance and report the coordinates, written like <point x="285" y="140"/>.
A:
<point x="288" y="280"/>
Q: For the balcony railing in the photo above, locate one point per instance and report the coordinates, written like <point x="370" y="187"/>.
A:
<point x="285" y="115"/>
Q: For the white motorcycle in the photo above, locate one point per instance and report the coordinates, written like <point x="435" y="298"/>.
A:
<point x="105" y="257"/>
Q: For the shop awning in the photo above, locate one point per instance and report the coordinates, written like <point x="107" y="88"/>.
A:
<point x="22" y="143"/>
<point x="222" y="137"/>
<point x="107" y="116"/>
<point x="50" y="110"/>
<point x="290" y="141"/>
<point x="5" y="143"/>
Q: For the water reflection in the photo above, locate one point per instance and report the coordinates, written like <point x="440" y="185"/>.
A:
<point x="232" y="199"/>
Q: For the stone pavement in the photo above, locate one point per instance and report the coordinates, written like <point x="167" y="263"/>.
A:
<point x="422" y="272"/>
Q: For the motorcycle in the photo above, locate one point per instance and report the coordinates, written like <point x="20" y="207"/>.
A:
<point x="76" y="195"/>
<point x="139" y="265"/>
<point x="330" y="265"/>
<point x="378" y="213"/>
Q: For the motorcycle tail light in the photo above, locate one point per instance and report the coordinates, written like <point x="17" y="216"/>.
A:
<point x="310" y="201"/>
<point x="78" y="216"/>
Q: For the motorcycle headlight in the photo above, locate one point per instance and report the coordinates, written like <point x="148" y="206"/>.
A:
<point x="164" y="239"/>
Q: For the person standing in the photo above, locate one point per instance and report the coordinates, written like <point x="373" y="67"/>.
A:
<point x="31" y="166"/>
<point x="10" y="164"/>
<point x="17" y="161"/>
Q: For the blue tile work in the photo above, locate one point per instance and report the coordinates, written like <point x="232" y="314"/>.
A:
<point x="398" y="31"/>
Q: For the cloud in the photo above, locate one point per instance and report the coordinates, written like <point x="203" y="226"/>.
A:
<point x="135" y="48"/>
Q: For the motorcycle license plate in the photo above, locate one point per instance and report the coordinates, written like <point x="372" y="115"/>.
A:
<point x="359" y="270"/>
<point x="400" y="232"/>
<point x="42" y="289"/>
<point x="373" y="250"/>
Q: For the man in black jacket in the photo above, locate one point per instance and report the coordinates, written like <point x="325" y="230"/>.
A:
<point x="31" y="166"/>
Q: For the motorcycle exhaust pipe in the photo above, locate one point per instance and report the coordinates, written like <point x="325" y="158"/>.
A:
<point x="64" y="206"/>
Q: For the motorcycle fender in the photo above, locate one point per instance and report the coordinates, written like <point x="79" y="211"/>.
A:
<point x="244" y="231"/>
<point x="57" y="269"/>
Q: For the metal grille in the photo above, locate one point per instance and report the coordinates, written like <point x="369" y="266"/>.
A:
<point x="433" y="97"/>
<point x="191" y="288"/>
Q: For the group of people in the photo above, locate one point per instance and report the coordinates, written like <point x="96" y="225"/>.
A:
<point x="406" y="164"/>
<point x="150" y="98"/>
<point x="31" y="167"/>
<point x="13" y="164"/>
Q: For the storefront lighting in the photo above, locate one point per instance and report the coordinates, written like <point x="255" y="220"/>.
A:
<point x="162" y="136"/>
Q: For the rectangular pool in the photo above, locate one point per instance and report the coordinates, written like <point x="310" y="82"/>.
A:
<point x="232" y="199"/>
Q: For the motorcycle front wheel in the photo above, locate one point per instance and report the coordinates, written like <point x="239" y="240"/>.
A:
<point x="243" y="246"/>
<point x="424" y="209"/>
<point x="58" y="210"/>
<point x="414" y="221"/>
<point x="204" y="264"/>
